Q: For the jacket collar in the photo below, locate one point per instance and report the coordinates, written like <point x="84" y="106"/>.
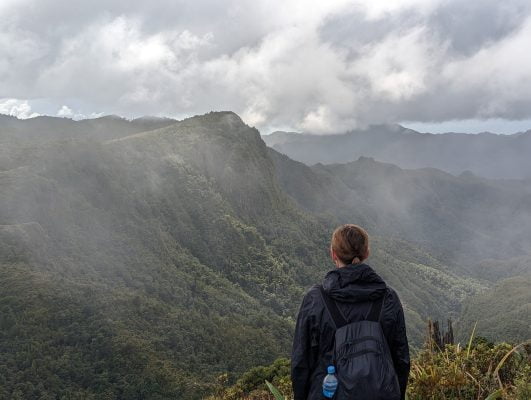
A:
<point x="354" y="283"/>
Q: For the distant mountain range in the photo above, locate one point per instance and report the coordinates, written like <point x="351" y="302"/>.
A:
<point x="151" y="256"/>
<point x="460" y="219"/>
<point x="485" y="154"/>
<point x="45" y="128"/>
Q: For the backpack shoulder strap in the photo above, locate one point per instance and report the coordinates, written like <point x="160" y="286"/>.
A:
<point x="331" y="306"/>
<point x="376" y="310"/>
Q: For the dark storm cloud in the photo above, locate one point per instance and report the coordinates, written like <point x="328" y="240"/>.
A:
<point x="320" y="67"/>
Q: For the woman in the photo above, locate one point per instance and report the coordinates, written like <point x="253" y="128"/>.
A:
<point x="356" y="291"/>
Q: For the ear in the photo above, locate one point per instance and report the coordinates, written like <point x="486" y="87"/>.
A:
<point x="333" y="255"/>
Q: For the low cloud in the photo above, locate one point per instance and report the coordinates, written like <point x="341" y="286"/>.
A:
<point x="65" y="111"/>
<point x="331" y="67"/>
<point x="17" y="108"/>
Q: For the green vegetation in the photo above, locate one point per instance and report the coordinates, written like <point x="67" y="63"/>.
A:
<point x="254" y="383"/>
<point x="145" y="264"/>
<point x="474" y="372"/>
<point x="483" y="369"/>
<point x="181" y="270"/>
<point x="501" y="312"/>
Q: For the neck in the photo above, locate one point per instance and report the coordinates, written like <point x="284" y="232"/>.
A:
<point x="341" y="264"/>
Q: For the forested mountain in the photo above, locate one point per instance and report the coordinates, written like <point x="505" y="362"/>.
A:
<point x="485" y="154"/>
<point x="142" y="263"/>
<point x="477" y="228"/>
<point x="44" y="128"/>
<point x="134" y="263"/>
<point x="460" y="219"/>
<point x="501" y="312"/>
<point x="22" y="140"/>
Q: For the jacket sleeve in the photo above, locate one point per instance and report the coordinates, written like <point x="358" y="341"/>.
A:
<point x="400" y="349"/>
<point x="304" y="350"/>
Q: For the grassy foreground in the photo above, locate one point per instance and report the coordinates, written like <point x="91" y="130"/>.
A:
<point x="480" y="370"/>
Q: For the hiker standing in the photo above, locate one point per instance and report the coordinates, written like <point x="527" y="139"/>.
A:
<point x="354" y="322"/>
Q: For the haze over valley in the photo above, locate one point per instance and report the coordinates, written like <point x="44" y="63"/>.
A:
<point x="485" y="154"/>
<point x="171" y="173"/>
<point x="157" y="249"/>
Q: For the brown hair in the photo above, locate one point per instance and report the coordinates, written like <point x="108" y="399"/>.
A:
<point x="350" y="243"/>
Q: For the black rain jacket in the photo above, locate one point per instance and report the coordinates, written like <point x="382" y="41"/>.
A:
<point x="353" y="287"/>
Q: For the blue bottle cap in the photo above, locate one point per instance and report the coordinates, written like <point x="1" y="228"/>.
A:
<point x="331" y="369"/>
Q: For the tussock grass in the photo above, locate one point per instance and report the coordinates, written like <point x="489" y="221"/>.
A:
<point x="480" y="371"/>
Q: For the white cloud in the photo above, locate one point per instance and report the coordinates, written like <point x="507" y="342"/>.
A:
<point x="317" y="121"/>
<point x="115" y="63"/>
<point x="65" y="111"/>
<point x="500" y="72"/>
<point x="379" y="9"/>
<point x="17" y="108"/>
<point x="325" y="67"/>
<point x="398" y="67"/>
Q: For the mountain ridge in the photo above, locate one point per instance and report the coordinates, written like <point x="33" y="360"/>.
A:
<point x="160" y="255"/>
<point x="486" y="154"/>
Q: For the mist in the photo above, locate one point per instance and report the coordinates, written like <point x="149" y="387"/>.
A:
<point x="156" y="239"/>
<point x="486" y="155"/>
<point x="146" y="226"/>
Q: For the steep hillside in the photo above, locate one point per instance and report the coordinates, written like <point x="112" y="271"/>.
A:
<point x="44" y="128"/>
<point x="461" y="220"/>
<point x="485" y="154"/>
<point x="146" y="244"/>
<point x="25" y="141"/>
<point x="151" y="262"/>
<point x="496" y="270"/>
<point x="501" y="312"/>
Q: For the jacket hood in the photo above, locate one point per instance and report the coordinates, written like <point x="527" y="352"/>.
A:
<point x="354" y="283"/>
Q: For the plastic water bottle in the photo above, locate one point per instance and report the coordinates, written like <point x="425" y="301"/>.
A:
<point x="330" y="383"/>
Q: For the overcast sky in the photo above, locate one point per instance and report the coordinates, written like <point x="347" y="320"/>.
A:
<point x="319" y="66"/>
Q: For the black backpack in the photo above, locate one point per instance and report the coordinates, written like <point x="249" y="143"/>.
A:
<point x="364" y="366"/>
